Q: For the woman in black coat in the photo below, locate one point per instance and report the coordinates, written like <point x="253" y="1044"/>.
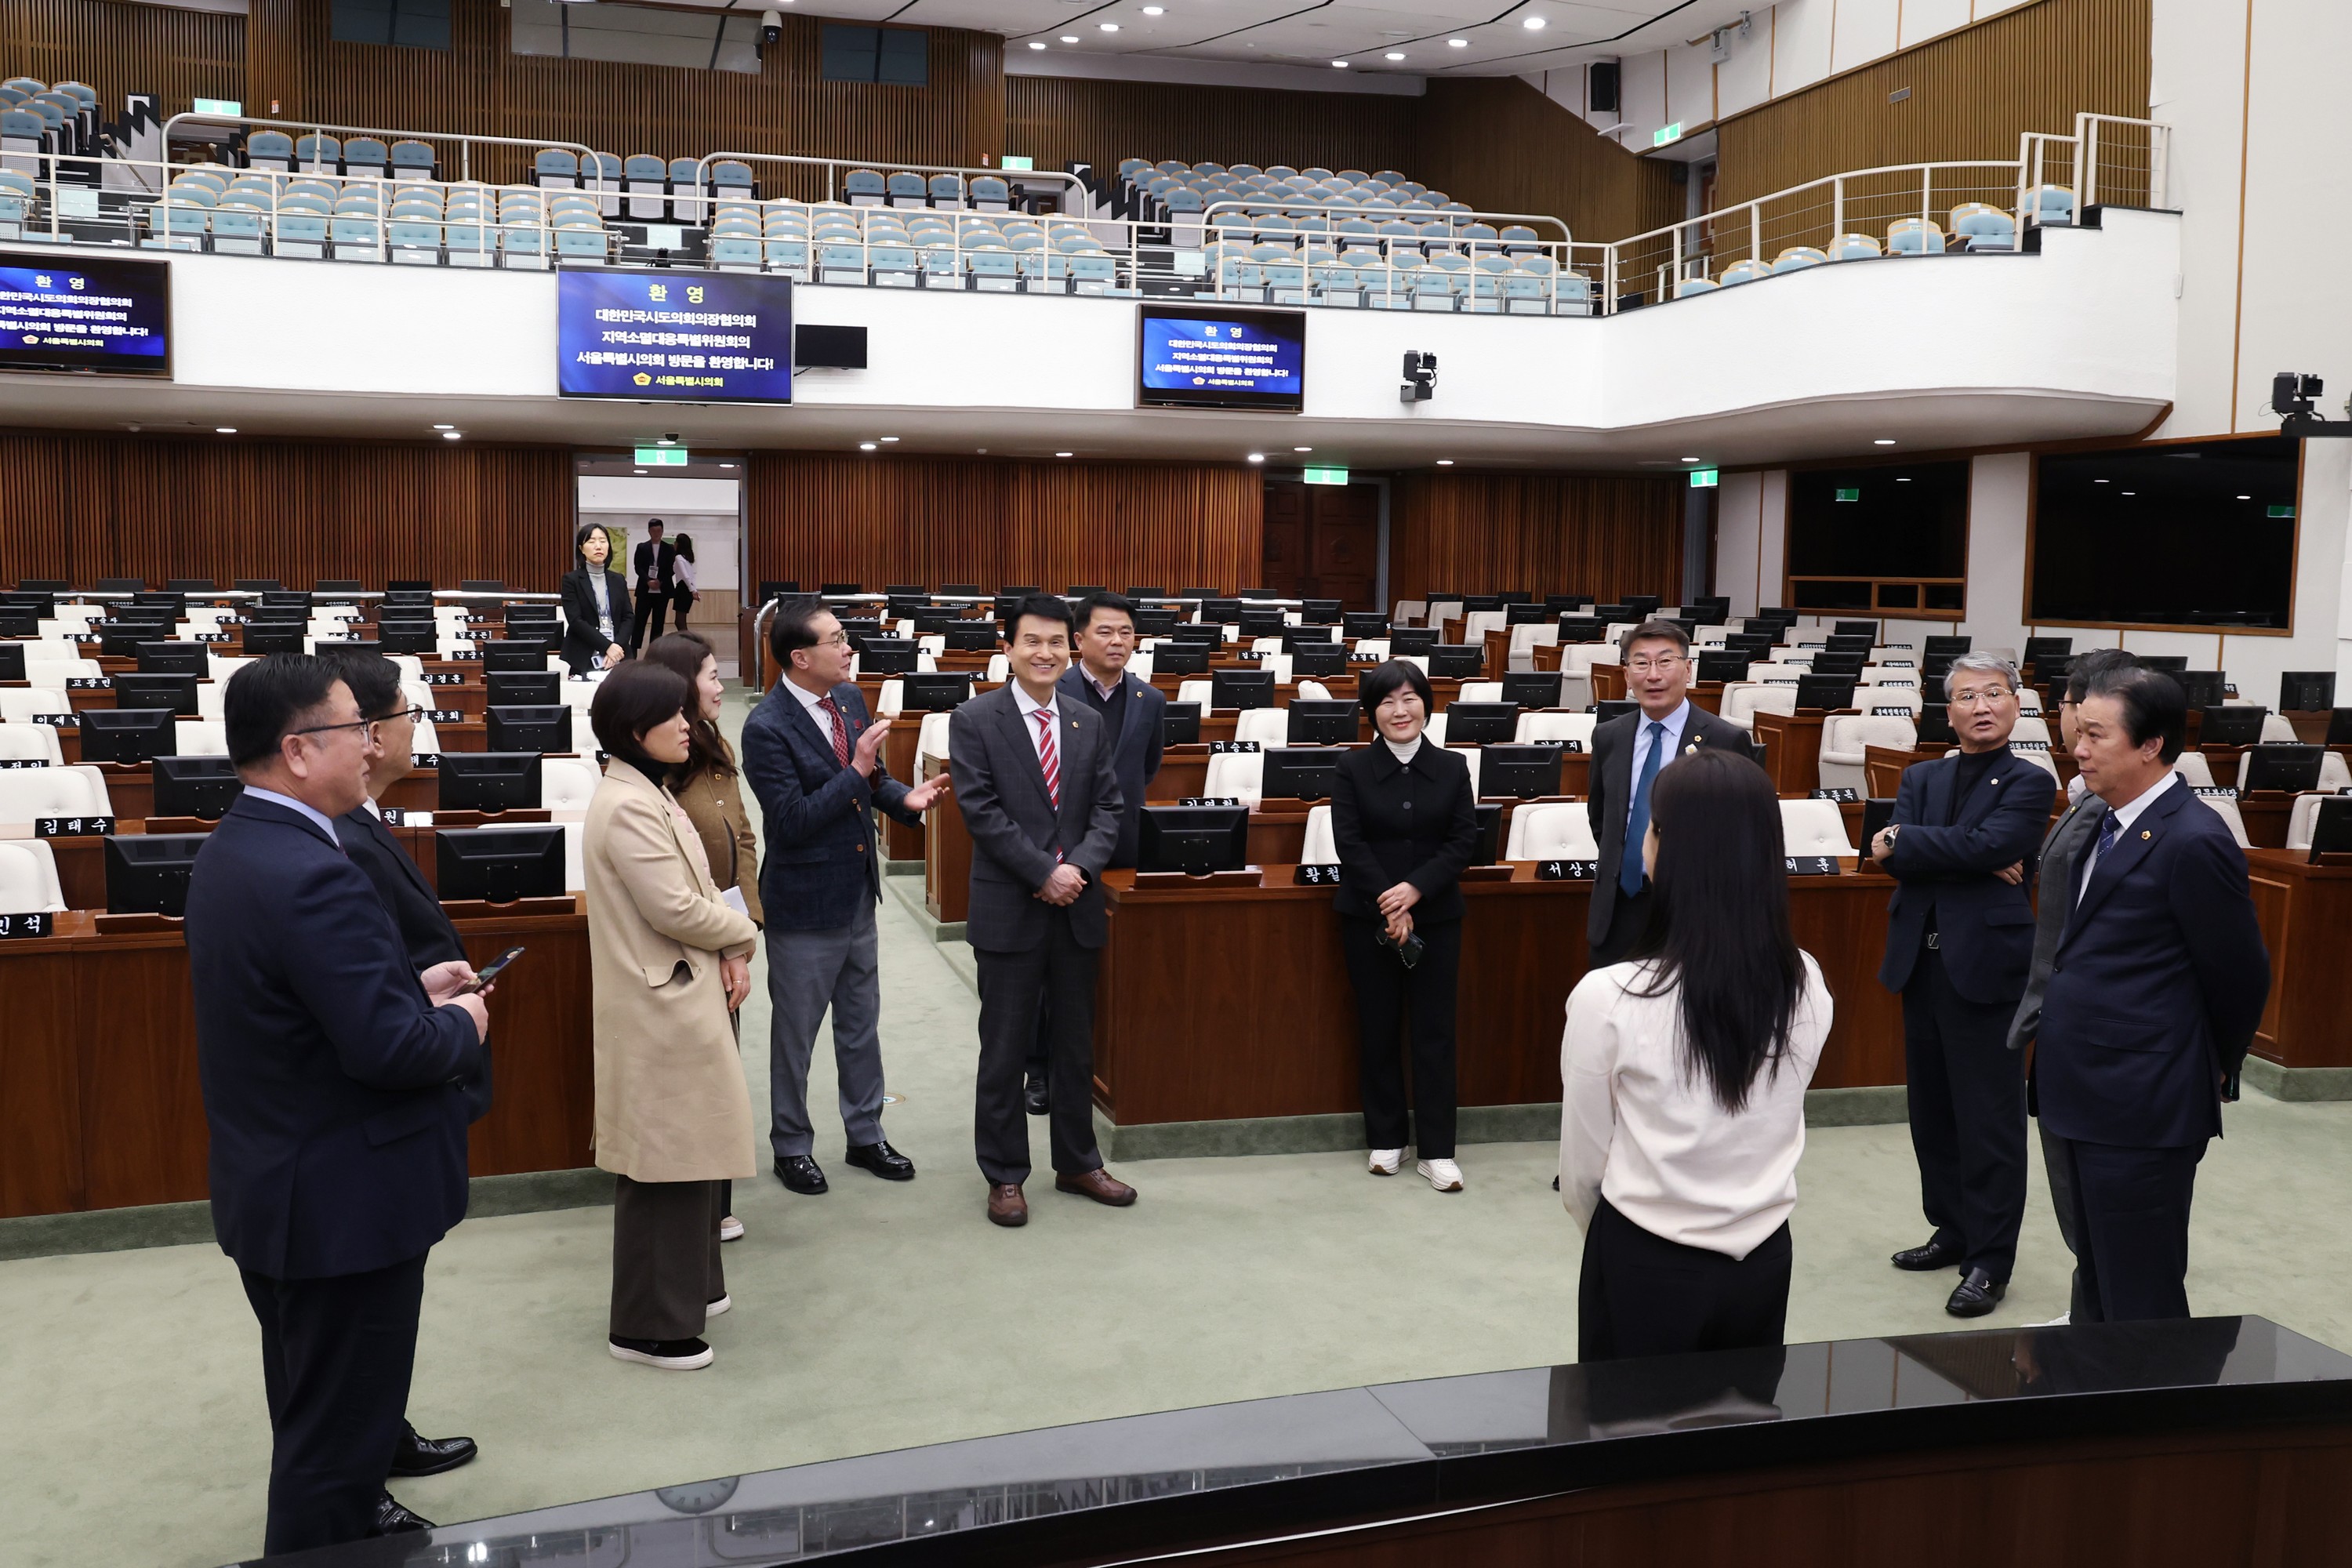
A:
<point x="1405" y="816"/>
<point x="595" y="628"/>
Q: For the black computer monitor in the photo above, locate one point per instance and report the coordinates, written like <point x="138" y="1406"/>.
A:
<point x="1321" y="724"/>
<point x="1582" y="629"/>
<point x="408" y="586"/>
<point x="1481" y="603"/>
<point x="1877" y="812"/>
<point x="1614" y="612"/>
<point x="1207" y="633"/>
<point x="1257" y="623"/>
<point x="528" y="727"/>
<point x="1527" y="615"/>
<point x="1713" y="666"/>
<point x="1364" y="624"/>
<point x="934" y="692"/>
<point x="176" y="692"/>
<point x="1532" y="687"/>
<point x="12" y="662"/>
<point x="121" y="640"/>
<point x="2339" y="726"/>
<point x="859" y="628"/>
<point x="906" y="590"/>
<point x="1299" y="772"/>
<point x="1241" y="688"/>
<point x="1824" y="692"/>
<point x="2239" y="725"/>
<point x="1481" y="723"/>
<point x="191" y="586"/>
<point x="1525" y="772"/>
<point x="1296" y="637"/>
<point x="833" y="589"/>
<point x="2164" y="663"/>
<point x="1615" y="708"/>
<point x="277" y="615"/>
<point x="1197" y="591"/>
<point x="14" y="622"/>
<point x="1839" y="642"/>
<point x="1156" y="623"/>
<point x="1935" y="724"/>
<point x="1490" y="833"/>
<point x="174" y="659"/>
<point x="1179" y="724"/>
<point x="1826" y="663"/>
<point x="499" y="865"/>
<point x="511" y="655"/>
<point x="1456" y="661"/>
<point x="407" y="636"/>
<point x="973" y="637"/>
<point x="1319" y="658"/>
<point x="195" y="786"/>
<point x="1934" y="667"/>
<point x="1179" y="658"/>
<point x="1412" y="639"/>
<point x="340" y="585"/>
<point x="350" y="645"/>
<point x="1320" y="612"/>
<point x="2307" y="690"/>
<point x="1134" y="590"/>
<point x="268" y="637"/>
<point x="2206" y="688"/>
<point x="518" y="686"/>
<point x="488" y="780"/>
<point x="2038" y="648"/>
<point x="275" y="595"/>
<point x="1220" y="610"/>
<point x="1854" y="630"/>
<point x="1949" y="647"/>
<point x="147" y="873"/>
<point x="2331" y="831"/>
<point x="1194" y="839"/>
<point x="888" y="655"/>
<point x="121" y="584"/>
<point x="2275" y="765"/>
<point x="931" y="622"/>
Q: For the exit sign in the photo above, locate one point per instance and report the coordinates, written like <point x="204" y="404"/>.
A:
<point x="661" y="456"/>
<point x="1014" y="160"/>
<point x="1703" y="478"/>
<point x="1327" y="476"/>
<point x="228" y="106"/>
<point x="1852" y="493"/>
<point x="1666" y="133"/>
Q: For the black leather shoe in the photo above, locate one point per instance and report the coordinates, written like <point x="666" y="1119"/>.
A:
<point x="1040" y="1099"/>
<point x="800" y="1174"/>
<point x="418" y="1455"/>
<point x="882" y="1160"/>
<point x="391" y="1518"/>
<point x="1936" y="1253"/>
<point x="1976" y="1294"/>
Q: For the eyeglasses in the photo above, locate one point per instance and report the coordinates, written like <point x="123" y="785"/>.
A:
<point x="413" y="715"/>
<point x="837" y="639"/>
<point x="1980" y="697"/>
<point x="1646" y="663"/>
<point x="362" y="725"/>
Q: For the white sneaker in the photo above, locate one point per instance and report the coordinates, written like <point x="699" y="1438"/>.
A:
<point x="2062" y="1321"/>
<point x="1443" y="1175"/>
<point x="731" y="1229"/>
<point x="1387" y="1161"/>
<point x="713" y="1308"/>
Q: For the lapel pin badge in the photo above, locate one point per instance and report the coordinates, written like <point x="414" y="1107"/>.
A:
<point x="2144" y="832"/>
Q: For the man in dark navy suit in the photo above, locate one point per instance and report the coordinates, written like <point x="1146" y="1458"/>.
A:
<point x="2155" y="992"/>
<point x="331" y="1074"/>
<point x="1959" y="940"/>
<point x="816" y="763"/>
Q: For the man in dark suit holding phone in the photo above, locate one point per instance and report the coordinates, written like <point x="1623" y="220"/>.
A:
<point x="653" y="582"/>
<point x="2156" y="990"/>
<point x="1627" y="753"/>
<point x="331" y="1075"/>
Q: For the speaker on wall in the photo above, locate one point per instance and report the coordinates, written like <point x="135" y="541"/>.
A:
<point x="1601" y="86"/>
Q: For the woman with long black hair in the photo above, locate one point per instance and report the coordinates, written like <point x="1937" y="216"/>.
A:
<point x="1685" y="1070"/>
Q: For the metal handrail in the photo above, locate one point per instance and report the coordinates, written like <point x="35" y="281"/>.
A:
<point x="802" y="159"/>
<point x="1330" y="209"/>
<point x="463" y="139"/>
<point x="2160" y="149"/>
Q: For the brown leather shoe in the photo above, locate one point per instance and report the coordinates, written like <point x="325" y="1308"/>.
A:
<point x="1006" y="1206"/>
<point x="1098" y="1185"/>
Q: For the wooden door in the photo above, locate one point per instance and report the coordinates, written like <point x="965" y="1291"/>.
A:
<point x="1323" y="541"/>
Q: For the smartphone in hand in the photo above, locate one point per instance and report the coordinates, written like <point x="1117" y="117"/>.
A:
<point x="483" y="977"/>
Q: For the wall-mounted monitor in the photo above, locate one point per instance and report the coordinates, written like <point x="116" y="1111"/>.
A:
<point x="85" y="313"/>
<point x="674" y="337"/>
<point x="1198" y="356"/>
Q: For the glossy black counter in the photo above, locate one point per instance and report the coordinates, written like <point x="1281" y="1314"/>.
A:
<point x="1154" y="1484"/>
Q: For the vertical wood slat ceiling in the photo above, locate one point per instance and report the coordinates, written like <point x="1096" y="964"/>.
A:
<point x="121" y="48"/>
<point x="85" y="506"/>
<point x="1973" y="93"/>
<point x="826" y="517"/>
<point x="1603" y="535"/>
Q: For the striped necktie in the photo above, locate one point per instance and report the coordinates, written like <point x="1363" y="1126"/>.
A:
<point x="1049" y="757"/>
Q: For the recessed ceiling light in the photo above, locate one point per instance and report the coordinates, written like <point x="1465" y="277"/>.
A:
<point x="1311" y="448"/>
<point x="1062" y="454"/>
<point x="2131" y="492"/>
<point x="889" y="437"/>
<point x="1445" y="462"/>
<point x="1902" y="479"/>
<point x="1394" y="55"/>
<point x="1690" y="459"/>
<point x="1108" y="27"/>
<point x="2245" y="498"/>
<point x="867" y="447"/>
<point x="1069" y="38"/>
<point x="725" y="465"/>
<point x="1458" y="42"/>
<point x="1155" y="10"/>
<point x="1036" y="45"/>
<point x="223" y="429"/>
<point x="1257" y="456"/>
<point x="444" y="427"/>
<point x="2101" y="482"/>
<point x="1339" y="64"/>
<point x="451" y="434"/>
<point x="1884" y="441"/>
<point x="638" y="470"/>
<point x="1533" y="24"/>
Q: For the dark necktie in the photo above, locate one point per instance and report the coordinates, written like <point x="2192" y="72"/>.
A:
<point x="1637" y="817"/>
<point x="840" y="733"/>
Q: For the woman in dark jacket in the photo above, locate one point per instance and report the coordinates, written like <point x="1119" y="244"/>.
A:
<point x="596" y="626"/>
<point x="1404" y="818"/>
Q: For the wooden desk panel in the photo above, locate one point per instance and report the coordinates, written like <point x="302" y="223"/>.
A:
<point x="900" y="841"/>
<point x="542" y="1113"/>
<point x="947" y="856"/>
<point x="1792" y="753"/>
<point x="142" y="1108"/>
<point x="2266" y="813"/>
<point x="2306" y="918"/>
<point x="40" y="1078"/>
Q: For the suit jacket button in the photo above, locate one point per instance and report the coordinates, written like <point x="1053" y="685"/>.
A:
<point x="861" y="850"/>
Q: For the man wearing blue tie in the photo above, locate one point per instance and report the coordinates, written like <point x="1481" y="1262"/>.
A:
<point x="1627" y="753"/>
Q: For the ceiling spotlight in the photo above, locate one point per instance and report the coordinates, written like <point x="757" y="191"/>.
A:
<point x="444" y="427"/>
<point x="889" y="437"/>
<point x="1533" y="24"/>
<point x="223" y="429"/>
<point x="1036" y="45"/>
<point x="1884" y="441"/>
<point x="1394" y="55"/>
<point x="1690" y="459"/>
<point x="1458" y="42"/>
<point x="1069" y="38"/>
<point x="2102" y="483"/>
<point x="1109" y="26"/>
<point x="725" y="465"/>
<point x="867" y="447"/>
<point x="2131" y="492"/>
<point x="1155" y="10"/>
<point x="1062" y="454"/>
<point x="1445" y="462"/>
<point x="2245" y="498"/>
<point x="1902" y="479"/>
<point x="1339" y="65"/>
<point x="452" y="434"/>
<point x="1311" y="448"/>
<point x="1257" y="456"/>
<point x="636" y="470"/>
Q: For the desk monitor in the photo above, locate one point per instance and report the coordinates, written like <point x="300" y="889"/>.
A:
<point x="516" y="687"/>
<point x="1364" y="624"/>
<point x="1179" y="724"/>
<point x="1209" y="632"/>
<point x="1826" y="663"/>
<point x="1220" y="610"/>
<point x="281" y="615"/>
<point x="1179" y="658"/>
<point x="1320" y="612"/>
<point x="2339" y="726"/>
<point x="510" y="654"/>
<point x="14" y="622"/>
<point x="1457" y="660"/>
<point x="121" y="584"/>
<point x="1615" y="708"/>
<point x="1194" y="839"/>
<point x="1934" y="667"/>
<point x="1198" y="593"/>
<point x="12" y="662"/>
<point x="1240" y="687"/>
<point x="1838" y="642"/>
<point x="46" y="585"/>
<point x="2038" y="648"/>
<point x="1296" y="637"/>
<point x="408" y="636"/>
<point x="1321" y="724"/>
<point x="2206" y="688"/>
<point x="127" y="735"/>
<point x="888" y="655"/>
<point x="1490" y="833"/>
<point x="1532" y="687"/>
<point x="1715" y="608"/>
<point x="974" y="637"/>
<point x="1299" y="772"/>
<point x="1256" y="623"/>
<point x="1714" y="665"/>
<point x="931" y="622"/>
<point x="1855" y="629"/>
<point x="488" y="780"/>
<point x="858" y="628"/>
<point x="195" y="786"/>
<point x="175" y="691"/>
<point x="2278" y="767"/>
<point x="2238" y="725"/>
<point x="1481" y="603"/>
<point x="2307" y="690"/>
<point x="1134" y="590"/>
<point x="934" y="692"/>
<point x="905" y="606"/>
<point x="408" y="586"/>
<point x="500" y="864"/>
<point x="1755" y="644"/>
<point x="1951" y="647"/>
<point x="1584" y="628"/>
<point x="340" y="585"/>
<point x="281" y="595"/>
<point x="1527" y="615"/>
<point x="283" y="638"/>
<point x="1825" y="693"/>
<point x="529" y="727"/>
<point x="2331" y="831"/>
<point x="121" y="640"/>
<point x="1412" y="639"/>
<point x="1156" y="623"/>
<point x="354" y="645"/>
<point x="1526" y="772"/>
<point x="2166" y="663"/>
<point x="1935" y="724"/>
<point x="906" y="590"/>
<point x="1876" y="813"/>
<point x="1085" y="590"/>
<point x="836" y="590"/>
<point x="191" y="585"/>
<point x="1642" y="606"/>
<point x="147" y="873"/>
<point x="774" y="588"/>
<point x="1481" y="723"/>
<point x="1319" y="658"/>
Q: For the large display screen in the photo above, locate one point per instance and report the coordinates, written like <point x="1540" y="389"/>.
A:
<point x="89" y="313"/>
<point x="666" y="336"/>
<point x="1203" y="357"/>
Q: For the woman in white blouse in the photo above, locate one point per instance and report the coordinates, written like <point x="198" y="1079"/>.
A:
<point x="1685" y="1069"/>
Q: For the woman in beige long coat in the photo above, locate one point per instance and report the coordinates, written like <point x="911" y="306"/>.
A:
<point x="670" y="960"/>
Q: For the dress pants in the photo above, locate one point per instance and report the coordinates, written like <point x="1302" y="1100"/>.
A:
<point x="1420" y="1002"/>
<point x="336" y="1355"/>
<point x="1627" y="918"/>
<point x="1014" y="986"/>
<point x="2131" y="1228"/>
<point x="1642" y="1295"/>
<point x="1967" y="1091"/>
<point x="665" y="1267"/>
<point x="810" y="971"/>
<point x="2060" y="1172"/>
<point x="651" y="607"/>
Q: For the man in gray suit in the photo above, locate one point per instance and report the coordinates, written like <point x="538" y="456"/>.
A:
<point x="1035" y="776"/>
<point x="2061" y="848"/>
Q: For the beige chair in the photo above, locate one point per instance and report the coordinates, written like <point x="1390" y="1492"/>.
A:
<point x="1434" y="732"/>
<point x="19" y="704"/>
<point x="1551" y="830"/>
<point x="29" y="879"/>
<point x="931" y="738"/>
<point x="2030" y="727"/>
<point x="1846" y="735"/>
<point x="1813" y="828"/>
<point x="31" y="743"/>
<point x="200" y="737"/>
<point x="999" y="669"/>
<point x="1546" y="726"/>
<point x="1370" y="647"/>
<point x="891" y="701"/>
<point x="1312" y="691"/>
<point x="1743" y="699"/>
<point x="1239" y="774"/>
<point x="45" y="668"/>
<point x="2228" y="810"/>
<point x="2302" y="820"/>
<point x="2039" y="756"/>
<point x="1194" y="689"/>
<point x="1480" y="692"/>
<point x="2194" y="770"/>
<point x="1478" y="623"/>
<point x="29" y="794"/>
<point x="1530" y="636"/>
<point x="1408" y="612"/>
<point x="568" y="784"/>
<point x="2276" y="728"/>
<point x="1140" y="666"/>
<point x="1320" y="849"/>
<point x="1474" y="756"/>
<point x="1269" y="727"/>
<point x="423" y="742"/>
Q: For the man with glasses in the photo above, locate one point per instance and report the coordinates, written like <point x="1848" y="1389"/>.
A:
<point x="1627" y="753"/>
<point x="1959" y="942"/>
<point x="330" y="1071"/>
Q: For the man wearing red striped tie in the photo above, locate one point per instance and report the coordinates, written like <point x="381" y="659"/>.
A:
<point x="1034" y="778"/>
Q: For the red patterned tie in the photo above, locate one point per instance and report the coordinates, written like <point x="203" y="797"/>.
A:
<point x="840" y="735"/>
<point x="1048" y="757"/>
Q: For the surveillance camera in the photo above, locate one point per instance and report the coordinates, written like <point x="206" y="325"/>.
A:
<point x="772" y="27"/>
<point x="1419" y="377"/>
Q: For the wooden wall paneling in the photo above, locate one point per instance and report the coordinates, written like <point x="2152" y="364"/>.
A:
<point x="1060" y="120"/>
<point x="1537" y="533"/>
<point x="1501" y="146"/>
<point x="94" y="506"/>
<point x="119" y="47"/>
<point x="820" y="517"/>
